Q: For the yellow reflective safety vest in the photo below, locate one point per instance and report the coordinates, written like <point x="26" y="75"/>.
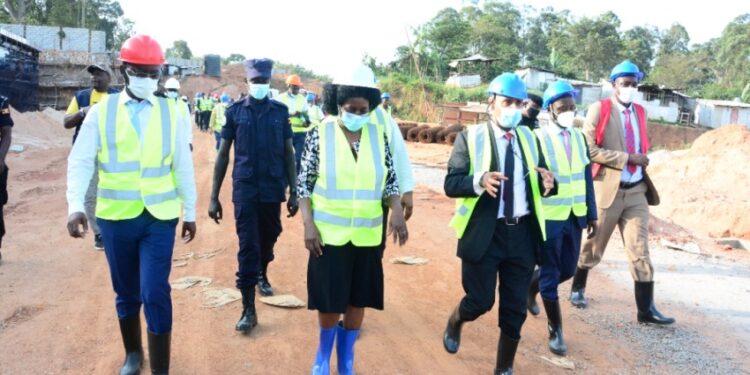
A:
<point x="570" y="175"/>
<point x="478" y="138"/>
<point x="218" y="117"/>
<point x="294" y="103"/>
<point x="381" y="117"/>
<point x="135" y="176"/>
<point x="316" y="115"/>
<point x="348" y="194"/>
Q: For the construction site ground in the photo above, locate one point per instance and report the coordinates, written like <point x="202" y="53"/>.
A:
<point x="57" y="311"/>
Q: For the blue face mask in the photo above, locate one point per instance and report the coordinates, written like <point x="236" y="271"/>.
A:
<point x="259" y="91"/>
<point x="509" y="117"/>
<point x="354" y="122"/>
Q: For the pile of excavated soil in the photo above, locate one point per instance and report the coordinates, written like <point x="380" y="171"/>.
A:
<point x="40" y="130"/>
<point x="705" y="188"/>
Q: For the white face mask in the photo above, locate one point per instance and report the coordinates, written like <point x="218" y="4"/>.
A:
<point x="627" y="94"/>
<point x="509" y="117"/>
<point x="566" y="119"/>
<point x="172" y="94"/>
<point x="142" y="88"/>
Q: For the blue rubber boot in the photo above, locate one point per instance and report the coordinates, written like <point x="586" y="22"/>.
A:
<point x="325" y="347"/>
<point x="345" y="349"/>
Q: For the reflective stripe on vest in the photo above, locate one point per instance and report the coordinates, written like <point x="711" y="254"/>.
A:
<point x="378" y="115"/>
<point x="347" y="198"/>
<point x="570" y="176"/>
<point x="480" y="150"/>
<point x="298" y="125"/>
<point x="135" y="174"/>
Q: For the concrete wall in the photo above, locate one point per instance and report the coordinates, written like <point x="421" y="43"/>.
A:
<point x="50" y="37"/>
<point x="713" y="116"/>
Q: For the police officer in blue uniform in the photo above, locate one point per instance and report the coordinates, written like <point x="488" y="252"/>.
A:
<point x="263" y="162"/>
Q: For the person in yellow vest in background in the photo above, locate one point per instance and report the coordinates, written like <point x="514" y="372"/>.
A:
<point x="218" y="119"/>
<point x="499" y="176"/>
<point x="313" y="110"/>
<point x="172" y="88"/>
<point x="347" y="154"/>
<point x="568" y="213"/>
<point x="145" y="179"/>
<point x="82" y="101"/>
<point x="205" y="105"/>
<point x="298" y="117"/>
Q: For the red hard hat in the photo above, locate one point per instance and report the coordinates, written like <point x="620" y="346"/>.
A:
<point x="142" y="50"/>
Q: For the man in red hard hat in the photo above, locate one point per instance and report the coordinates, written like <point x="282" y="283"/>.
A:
<point x="145" y="171"/>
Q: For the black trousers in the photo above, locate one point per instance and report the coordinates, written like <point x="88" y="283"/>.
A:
<point x="258" y="227"/>
<point x="3" y="201"/>
<point x="205" y="118"/>
<point x="511" y="258"/>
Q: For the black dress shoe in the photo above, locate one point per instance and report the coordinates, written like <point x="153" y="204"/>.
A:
<point x="452" y="334"/>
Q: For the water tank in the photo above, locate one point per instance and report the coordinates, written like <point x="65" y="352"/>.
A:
<point x="212" y="65"/>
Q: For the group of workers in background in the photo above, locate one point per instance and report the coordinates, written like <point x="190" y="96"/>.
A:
<point x="524" y="196"/>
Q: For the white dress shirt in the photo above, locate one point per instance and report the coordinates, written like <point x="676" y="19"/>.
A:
<point x="626" y="175"/>
<point x="82" y="158"/>
<point x="520" y="203"/>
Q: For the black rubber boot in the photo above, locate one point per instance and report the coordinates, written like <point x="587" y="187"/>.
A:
<point x="531" y="304"/>
<point x="506" y="352"/>
<point x="644" y="299"/>
<point x="554" y="327"/>
<point x="452" y="335"/>
<point x="249" y="318"/>
<point x="577" y="296"/>
<point x="264" y="287"/>
<point x="130" y="329"/>
<point x="158" y="352"/>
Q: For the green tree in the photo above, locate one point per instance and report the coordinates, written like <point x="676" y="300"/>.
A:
<point x="447" y="37"/>
<point x="590" y="47"/>
<point x="639" y="43"/>
<point x="674" y="40"/>
<point x="179" y="50"/>
<point x="495" y="35"/>
<point x="733" y="55"/>
<point x="234" y="58"/>
<point x="542" y="28"/>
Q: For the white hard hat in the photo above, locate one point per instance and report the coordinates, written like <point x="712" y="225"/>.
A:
<point x="172" y="83"/>
<point x="361" y="76"/>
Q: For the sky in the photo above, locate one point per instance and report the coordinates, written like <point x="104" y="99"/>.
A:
<point x="332" y="36"/>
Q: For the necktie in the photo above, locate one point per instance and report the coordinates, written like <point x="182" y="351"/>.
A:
<point x="508" y="184"/>
<point x="629" y="139"/>
<point x="566" y="140"/>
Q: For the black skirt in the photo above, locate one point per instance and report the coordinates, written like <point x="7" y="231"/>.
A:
<point x="345" y="275"/>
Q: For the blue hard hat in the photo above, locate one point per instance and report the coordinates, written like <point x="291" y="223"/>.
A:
<point x="508" y="84"/>
<point x="225" y="98"/>
<point x="626" y="68"/>
<point x="385" y="96"/>
<point x="557" y="90"/>
<point x="310" y="96"/>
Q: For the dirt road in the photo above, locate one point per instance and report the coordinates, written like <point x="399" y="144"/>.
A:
<point x="57" y="308"/>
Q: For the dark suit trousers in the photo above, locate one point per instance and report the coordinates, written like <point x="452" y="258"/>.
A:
<point x="511" y="257"/>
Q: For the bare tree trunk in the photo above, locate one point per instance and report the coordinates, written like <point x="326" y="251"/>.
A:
<point x="16" y="9"/>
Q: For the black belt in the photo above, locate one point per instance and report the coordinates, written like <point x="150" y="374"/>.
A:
<point x="629" y="185"/>
<point x="514" y="221"/>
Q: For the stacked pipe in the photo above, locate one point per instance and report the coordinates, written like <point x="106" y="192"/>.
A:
<point x="413" y="134"/>
<point x="405" y="126"/>
<point x="442" y="135"/>
<point x="428" y="135"/>
<point x="450" y="139"/>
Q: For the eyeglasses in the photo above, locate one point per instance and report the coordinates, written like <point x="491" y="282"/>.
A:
<point x="153" y="74"/>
